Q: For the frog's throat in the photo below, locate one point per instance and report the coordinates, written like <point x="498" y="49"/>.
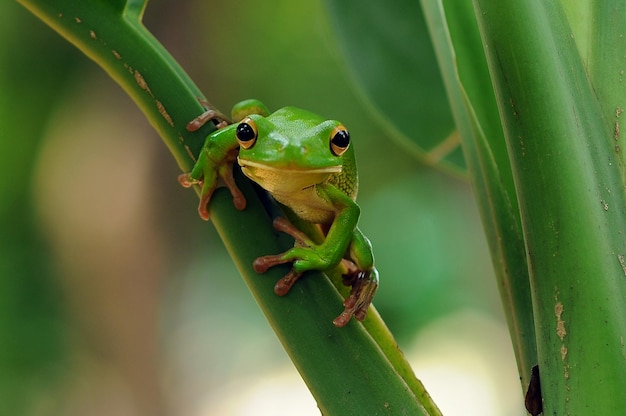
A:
<point x="285" y="181"/>
<point x="288" y="170"/>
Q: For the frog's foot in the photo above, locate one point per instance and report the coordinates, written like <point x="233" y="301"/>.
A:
<point x="262" y="264"/>
<point x="364" y="284"/>
<point x="210" y="114"/>
<point x="226" y="173"/>
<point x="283" y="286"/>
<point x="187" y="181"/>
<point x="207" y="179"/>
<point x="305" y="257"/>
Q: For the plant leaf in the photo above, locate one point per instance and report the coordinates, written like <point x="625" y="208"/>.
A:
<point x="570" y="189"/>
<point x="389" y="53"/>
<point x="343" y="367"/>
<point x="458" y="46"/>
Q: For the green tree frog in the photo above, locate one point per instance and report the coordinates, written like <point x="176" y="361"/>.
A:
<point x="307" y="164"/>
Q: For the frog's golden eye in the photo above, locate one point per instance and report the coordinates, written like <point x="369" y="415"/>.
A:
<point x="247" y="133"/>
<point x="339" y="140"/>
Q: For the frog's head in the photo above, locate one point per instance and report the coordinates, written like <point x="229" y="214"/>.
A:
<point x="291" y="149"/>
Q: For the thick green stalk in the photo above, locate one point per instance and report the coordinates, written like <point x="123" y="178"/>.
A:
<point x="606" y="66"/>
<point x="459" y="54"/>
<point x="572" y="201"/>
<point x="344" y="367"/>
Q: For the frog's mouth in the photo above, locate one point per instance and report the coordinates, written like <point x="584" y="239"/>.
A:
<point x="285" y="179"/>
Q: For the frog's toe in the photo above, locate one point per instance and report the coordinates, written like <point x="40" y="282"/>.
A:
<point x="238" y="199"/>
<point x="261" y="264"/>
<point x="364" y="285"/>
<point x="187" y="181"/>
<point x="284" y="285"/>
<point x="210" y="114"/>
<point x="203" y="207"/>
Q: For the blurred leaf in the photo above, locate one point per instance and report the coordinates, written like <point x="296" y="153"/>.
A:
<point x="413" y="250"/>
<point x="389" y="53"/>
<point x="32" y="330"/>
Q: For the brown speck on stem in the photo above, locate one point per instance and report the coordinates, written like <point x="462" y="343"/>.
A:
<point x="164" y="113"/>
<point x="560" y="324"/>
<point x="605" y="205"/>
<point x="616" y="130"/>
<point x="622" y="262"/>
<point x="190" y="153"/>
<point x="141" y="82"/>
<point x="116" y="54"/>
<point x="77" y="20"/>
<point x="93" y="34"/>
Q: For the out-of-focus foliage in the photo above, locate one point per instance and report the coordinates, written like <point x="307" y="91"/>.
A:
<point x="104" y="293"/>
<point x="31" y="327"/>
<point x="391" y="58"/>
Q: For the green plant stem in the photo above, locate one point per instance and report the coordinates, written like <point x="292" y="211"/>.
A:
<point x="457" y="43"/>
<point x="572" y="202"/>
<point x="344" y="368"/>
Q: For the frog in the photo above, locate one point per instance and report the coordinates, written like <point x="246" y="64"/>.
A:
<point x="307" y="164"/>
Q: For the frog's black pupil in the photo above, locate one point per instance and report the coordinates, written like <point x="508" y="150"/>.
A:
<point x="341" y="139"/>
<point x="245" y="132"/>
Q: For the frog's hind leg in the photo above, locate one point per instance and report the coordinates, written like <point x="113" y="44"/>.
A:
<point x="283" y="225"/>
<point x="362" y="276"/>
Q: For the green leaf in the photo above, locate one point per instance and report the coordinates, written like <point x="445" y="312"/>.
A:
<point x="606" y="67"/>
<point x="390" y="56"/>
<point x="345" y="368"/>
<point x="569" y="180"/>
<point x="459" y="51"/>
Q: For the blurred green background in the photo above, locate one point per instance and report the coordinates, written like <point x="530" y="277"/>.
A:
<point x="115" y="298"/>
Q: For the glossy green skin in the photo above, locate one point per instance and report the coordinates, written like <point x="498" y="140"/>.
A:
<point x="292" y="160"/>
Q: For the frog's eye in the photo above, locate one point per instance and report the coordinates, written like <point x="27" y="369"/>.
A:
<point x="246" y="133"/>
<point x="339" y="140"/>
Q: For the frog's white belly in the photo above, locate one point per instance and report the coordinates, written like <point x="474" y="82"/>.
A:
<point x="308" y="205"/>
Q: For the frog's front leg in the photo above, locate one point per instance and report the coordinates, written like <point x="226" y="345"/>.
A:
<point x="215" y="162"/>
<point x="262" y="264"/>
<point x="307" y="255"/>
<point x="360" y="273"/>
<point x="342" y="238"/>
